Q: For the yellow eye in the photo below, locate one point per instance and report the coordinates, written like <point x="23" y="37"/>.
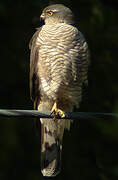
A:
<point x="50" y="13"/>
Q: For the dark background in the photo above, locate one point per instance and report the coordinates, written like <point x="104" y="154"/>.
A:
<point x="90" y="149"/>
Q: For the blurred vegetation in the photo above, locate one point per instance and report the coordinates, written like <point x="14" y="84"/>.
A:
<point x="90" y="149"/>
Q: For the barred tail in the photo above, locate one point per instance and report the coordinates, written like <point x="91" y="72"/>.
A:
<point x="50" y="152"/>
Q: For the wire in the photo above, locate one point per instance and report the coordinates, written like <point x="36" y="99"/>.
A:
<point x="47" y="114"/>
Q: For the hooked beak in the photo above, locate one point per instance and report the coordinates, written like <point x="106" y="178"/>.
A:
<point x="42" y="17"/>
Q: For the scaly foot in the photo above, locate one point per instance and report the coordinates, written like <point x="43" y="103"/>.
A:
<point x="57" y="111"/>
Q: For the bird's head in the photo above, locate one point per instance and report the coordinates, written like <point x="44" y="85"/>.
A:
<point x="57" y="13"/>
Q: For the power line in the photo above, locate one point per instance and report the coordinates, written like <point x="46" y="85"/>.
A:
<point x="47" y="114"/>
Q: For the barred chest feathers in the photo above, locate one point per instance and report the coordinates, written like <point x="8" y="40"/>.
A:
<point x="58" y="59"/>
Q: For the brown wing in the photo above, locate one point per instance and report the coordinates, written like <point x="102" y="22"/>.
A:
<point x="84" y="56"/>
<point x="34" y="80"/>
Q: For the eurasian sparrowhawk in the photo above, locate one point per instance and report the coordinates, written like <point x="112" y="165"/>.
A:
<point x="58" y="69"/>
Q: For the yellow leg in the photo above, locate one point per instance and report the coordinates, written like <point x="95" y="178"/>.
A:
<point x="57" y="111"/>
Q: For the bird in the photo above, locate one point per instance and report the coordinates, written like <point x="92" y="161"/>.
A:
<point x="59" y="61"/>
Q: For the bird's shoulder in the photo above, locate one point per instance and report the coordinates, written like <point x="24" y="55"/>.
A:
<point x="34" y="37"/>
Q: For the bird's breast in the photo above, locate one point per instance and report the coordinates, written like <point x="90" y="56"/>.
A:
<point x="58" y="48"/>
